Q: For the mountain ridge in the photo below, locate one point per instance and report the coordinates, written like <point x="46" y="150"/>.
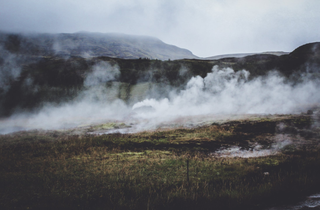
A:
<point x="241" y="55"/>
<point x="86" y="44"/>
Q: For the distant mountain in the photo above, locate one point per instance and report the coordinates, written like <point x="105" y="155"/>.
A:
<point x="92" y="45"/>
<point x="304" y="59"/>
<point x="241" y="55"/>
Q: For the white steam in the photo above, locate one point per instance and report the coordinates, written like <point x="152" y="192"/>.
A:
<point x="9" y="68"/>
<point x="221" y="92"/>
<point x="96" y="104"/>
<point x="101" y="73"/>
<point x="281" y="141"/>
<point x="228" y="92"/>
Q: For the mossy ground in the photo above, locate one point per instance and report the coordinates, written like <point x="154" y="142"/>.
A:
<point x="171" y="169"/>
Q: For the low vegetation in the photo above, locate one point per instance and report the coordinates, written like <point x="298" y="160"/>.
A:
<point x="168" y="169"/>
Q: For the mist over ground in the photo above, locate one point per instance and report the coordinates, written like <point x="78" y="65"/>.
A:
<point x="55" y="91"/>
<point x="222" y="92"/>
<point x="100" y="107"/>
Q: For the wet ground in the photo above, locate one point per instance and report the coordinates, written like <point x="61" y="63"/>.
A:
<point x="253" y="136"/>
<point x="310" y="202"/>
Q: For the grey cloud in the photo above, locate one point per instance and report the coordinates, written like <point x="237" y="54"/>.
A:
<point x="205" y="27"/>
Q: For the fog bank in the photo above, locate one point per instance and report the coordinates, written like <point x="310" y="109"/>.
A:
<point x="221" y="92"/>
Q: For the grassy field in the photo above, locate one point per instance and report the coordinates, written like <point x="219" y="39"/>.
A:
<point x="168" y="169"/>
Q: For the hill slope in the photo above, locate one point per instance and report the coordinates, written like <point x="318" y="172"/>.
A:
<point x="92" y="45"/>
<point x="241" y="55"/>
<point x="28" y="82"/>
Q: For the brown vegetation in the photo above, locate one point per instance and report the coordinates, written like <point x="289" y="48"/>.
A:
<point x="48" y="170"/>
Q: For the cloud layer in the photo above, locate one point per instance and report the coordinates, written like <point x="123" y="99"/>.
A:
<point x="205" y="27"/>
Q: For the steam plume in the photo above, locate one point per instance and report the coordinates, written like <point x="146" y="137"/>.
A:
<point x="223" y="91"/>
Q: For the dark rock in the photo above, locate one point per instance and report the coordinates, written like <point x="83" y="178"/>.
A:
<point x="309" y="112"/>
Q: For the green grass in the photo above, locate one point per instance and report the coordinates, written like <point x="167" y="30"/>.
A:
<point x="148" y="171"/>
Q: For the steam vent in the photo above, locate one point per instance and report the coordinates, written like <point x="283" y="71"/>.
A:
<point x="115" y="121"/>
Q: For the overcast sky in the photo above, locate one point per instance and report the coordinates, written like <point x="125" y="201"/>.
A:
<point x="206" y="27"/>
